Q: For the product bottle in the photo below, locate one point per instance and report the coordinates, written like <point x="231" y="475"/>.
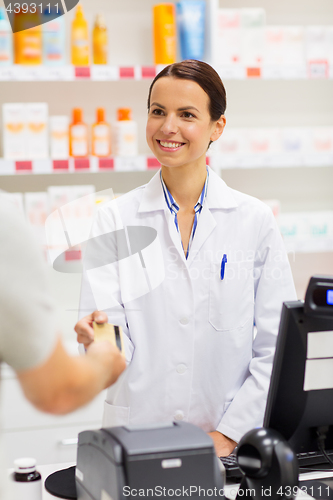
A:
<point x="6" y="50"/>
<point x="125" y="134"/>
<point x="100" y="41"/>
<point x="78" y="135"/>
<point x="59" y="142"/>
<point x="80" y="39"/>
<point x="26" y="481"/>
<point x="27" y="38"/>
<point x="101" y="135"/>
<point x="14" y="131"/>
<point x="165" y="43"/>
<point x="191" y="28"/>
<point x="53" y="38"/>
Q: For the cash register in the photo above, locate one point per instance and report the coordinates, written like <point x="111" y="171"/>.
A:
<point x="172" y="459"/>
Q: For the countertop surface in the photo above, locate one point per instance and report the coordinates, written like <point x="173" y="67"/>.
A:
<point x="230" y="489"/>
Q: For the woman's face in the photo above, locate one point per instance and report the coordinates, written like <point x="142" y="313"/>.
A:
<point x="179" y="125"/>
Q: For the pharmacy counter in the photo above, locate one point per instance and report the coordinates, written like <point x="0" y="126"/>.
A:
<point x="230" y="489"/>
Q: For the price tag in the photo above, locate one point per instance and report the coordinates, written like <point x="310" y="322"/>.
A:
<point x="72" y="255"/>
<point x="60" y="165"/>
<point x="81" y="164"/>
<point x="106" y="163"/>
<point x="225" y="161"/>
<point x="318" y="69"/>
<point x="285" y="160"/>
<point x="129" y="164"/>
<point x="253" y="72"/>
<point x="7" y="167"/>
<point x="82" y="72"/>
<point x="126" y="72"/>
<point x="319" y="159"/>
<point x="148" y="72"/>
<point x="29" y="73"/>
<point x="271" y="160"/>
<point x="253" y="160"/>
<point x="153" y="163"/>
<point x="58" y="73"/>
<point x="296" y="72"/>
<point x="42" y="166"/>
<point x="272" y="72"/>
<point x="102" y="72"/>
<point x="8" y="73"/>
<point x="230" y="72"/>
<point x="23" y="166"/>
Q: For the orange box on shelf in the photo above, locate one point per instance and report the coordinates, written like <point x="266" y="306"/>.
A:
<point x="165" y="39"/>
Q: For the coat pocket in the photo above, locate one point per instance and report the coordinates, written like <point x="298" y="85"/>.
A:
<point x="115" y="415"/>
<point x="231" y="300"/>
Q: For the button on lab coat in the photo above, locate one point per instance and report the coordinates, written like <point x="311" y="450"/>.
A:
<point x="189" y="336"/>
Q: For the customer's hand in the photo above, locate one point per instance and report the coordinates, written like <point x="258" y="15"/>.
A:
<point x="223" y="445"/>
<point x="84" y="327"/>
<point x="109" y="360"/>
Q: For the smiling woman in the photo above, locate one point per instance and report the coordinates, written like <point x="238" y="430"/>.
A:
<point x="186" y="106"/>
<point x="201" y="98"/>
<point x="189" y="337"/>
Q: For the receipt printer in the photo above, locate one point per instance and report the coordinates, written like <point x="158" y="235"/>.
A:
<point x="173" y="459"/>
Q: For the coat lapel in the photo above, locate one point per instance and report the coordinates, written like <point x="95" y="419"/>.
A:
<point x="219" y="196"/>
<point x="206" y="225"/>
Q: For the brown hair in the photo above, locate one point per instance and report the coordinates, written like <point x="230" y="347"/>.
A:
<point x="205" y="76"/>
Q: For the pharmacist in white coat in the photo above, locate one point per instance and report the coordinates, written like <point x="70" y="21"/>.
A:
<point x="188" y="290"/>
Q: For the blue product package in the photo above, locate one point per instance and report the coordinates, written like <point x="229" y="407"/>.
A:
<point x="191" y="27"/>
<point x="53" y="37"/>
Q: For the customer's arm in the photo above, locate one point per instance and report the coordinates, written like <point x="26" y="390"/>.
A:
<point x="63" y="383"/>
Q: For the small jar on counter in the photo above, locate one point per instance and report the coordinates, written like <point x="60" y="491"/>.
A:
<point x="26" y="481"/>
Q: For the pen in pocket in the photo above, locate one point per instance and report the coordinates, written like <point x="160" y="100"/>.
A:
<point x="223" y="263"/>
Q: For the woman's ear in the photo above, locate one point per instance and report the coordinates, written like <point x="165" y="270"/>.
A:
<point x="218" y="129"/>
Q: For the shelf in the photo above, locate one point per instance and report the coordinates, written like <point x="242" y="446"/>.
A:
<point x="78" y="165"/>
<point x="143" y="163"/>
<point x="71" y="73"/>
<point x="271" y="160"/>
<point x="68" y="73"/>
<point x="315" y="70"/>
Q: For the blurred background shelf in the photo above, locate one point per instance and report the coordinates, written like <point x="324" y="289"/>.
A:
<point x="108" y="73"/>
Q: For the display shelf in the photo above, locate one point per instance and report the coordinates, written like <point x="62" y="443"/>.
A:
<point x="267" y="160"/>
<point x="73" y="74"/>
<point x="76" y="165"/>
<point x="69" y="73"/>
<point x="143" y="163"/>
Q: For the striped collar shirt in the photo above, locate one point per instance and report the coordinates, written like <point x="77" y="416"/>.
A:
<point x="174" y="208"/>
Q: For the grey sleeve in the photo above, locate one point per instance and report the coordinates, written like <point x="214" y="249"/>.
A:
<point x="27" y="313"/>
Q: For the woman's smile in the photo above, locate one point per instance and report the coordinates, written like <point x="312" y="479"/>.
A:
<point x="170" y="146"/>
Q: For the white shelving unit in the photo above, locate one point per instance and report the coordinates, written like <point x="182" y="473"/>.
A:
<point x="255" y="102"/>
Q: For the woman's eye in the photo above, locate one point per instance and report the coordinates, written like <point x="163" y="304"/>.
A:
<point x="187" y="114"/>
<point x="157" y="111"/>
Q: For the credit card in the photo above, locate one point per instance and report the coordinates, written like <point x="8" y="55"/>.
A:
<point x="111" y="333"/>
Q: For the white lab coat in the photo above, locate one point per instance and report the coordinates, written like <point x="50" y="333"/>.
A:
<point x="189" y="334"/>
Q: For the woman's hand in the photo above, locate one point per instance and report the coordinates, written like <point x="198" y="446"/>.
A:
<point x="223" y="445"/>
<point x="84" y="327"/>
